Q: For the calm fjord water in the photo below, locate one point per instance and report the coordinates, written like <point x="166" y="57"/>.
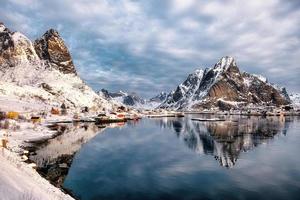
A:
<point x="177" y="158"/>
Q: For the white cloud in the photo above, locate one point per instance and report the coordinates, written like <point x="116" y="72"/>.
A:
<point x="179" y="6"/>
<point x="260" y="34"/>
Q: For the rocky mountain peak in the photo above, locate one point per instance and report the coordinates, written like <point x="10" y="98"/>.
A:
<point x="51" y="32"/>
<point x="224" y="84"/>
<point x="226" y="63"/>
<point x="15" y="50"/>
<point x="51" y="47"/>
<point x="3" y="28"/>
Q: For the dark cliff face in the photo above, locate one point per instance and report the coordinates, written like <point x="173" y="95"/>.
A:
<point x="16" y="49"/>
<point x="105" y="94"/>
<point x="6" y="41"/>
<point x="223" y="85"/>
<point x="51" y="47"/>
<point x="6" y="46"/>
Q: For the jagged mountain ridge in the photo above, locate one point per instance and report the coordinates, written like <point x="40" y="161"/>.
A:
<point x="43" y="72"/>
<point x="129" y="99"/>
<point x="133" y="99"/>
<point x="225" y="86"/>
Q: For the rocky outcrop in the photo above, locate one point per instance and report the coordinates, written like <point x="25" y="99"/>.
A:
<point x="51" y="47"/>
<point x="15" y="48"/>
<point x="48" y="51"/>
<point x="224" y="86"/>
<point x="43" y="74"/>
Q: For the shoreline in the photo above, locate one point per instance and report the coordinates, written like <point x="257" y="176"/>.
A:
<point x="38" y="136"/>
<point x="24" y="181"/>
<point x="65" y="159"/>
<point x="15" y="159"/>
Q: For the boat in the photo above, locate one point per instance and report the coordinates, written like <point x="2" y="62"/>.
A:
<point x="179" y="114"/>
<point x="175" y="114"/>
<point x="161" y="115"/>
<point x="104" y="120"/>
<point x="208" y="120"/>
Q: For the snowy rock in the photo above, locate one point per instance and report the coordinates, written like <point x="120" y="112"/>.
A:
<point x="221" y="84"/>
<point x="2" y="27"/>
<point x="261" y="78"/>
<point x="50" y="47"/>
<point x="17" y="56"/>
<point x="42" y="75"/>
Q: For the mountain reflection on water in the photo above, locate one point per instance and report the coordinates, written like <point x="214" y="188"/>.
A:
<point x="174" y="158"/>
<point x="225" y="140"/>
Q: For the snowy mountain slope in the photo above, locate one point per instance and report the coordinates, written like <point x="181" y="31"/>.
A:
<point x="224" y="86"/>
<point x="47" y="77"/>
<point x="132" y="99"/>
<point x="184" y="93"/>
<point x="155" y="101"/>
<point x="123" y="98"/>
<point x="159" y="98"/>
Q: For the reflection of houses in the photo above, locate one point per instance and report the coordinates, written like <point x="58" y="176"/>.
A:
<point x="226" y="140"/>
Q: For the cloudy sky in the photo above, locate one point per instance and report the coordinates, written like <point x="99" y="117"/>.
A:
<point x="150" y="46"/>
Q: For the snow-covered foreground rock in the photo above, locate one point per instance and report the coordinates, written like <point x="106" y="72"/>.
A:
<point x="20" y="181"/>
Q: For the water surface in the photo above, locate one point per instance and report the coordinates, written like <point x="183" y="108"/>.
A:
<point x="177" y="158"/>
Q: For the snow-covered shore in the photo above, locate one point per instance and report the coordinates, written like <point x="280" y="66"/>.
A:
<point x="20" y="181"/>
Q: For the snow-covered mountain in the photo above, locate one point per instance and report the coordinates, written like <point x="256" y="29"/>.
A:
<point x="225" y="86"/>
<point x="295" y="99"/>
<point x="159" y="98"/>
<point x="42" y="73"/>
<point x="128" y="99"/>
<point x="132" y="99"/>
